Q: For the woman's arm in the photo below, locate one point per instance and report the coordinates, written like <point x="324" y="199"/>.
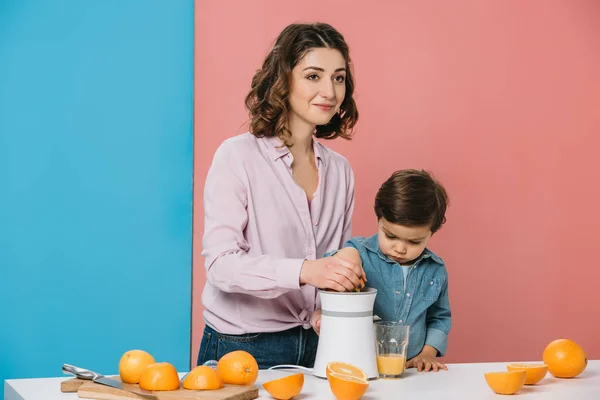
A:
<point x="228" y="265"/>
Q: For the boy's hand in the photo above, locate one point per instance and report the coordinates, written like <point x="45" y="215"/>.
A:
<point x="426" y="361"/>
<point x="351" y="255"/>
<point x="315" y="321"/>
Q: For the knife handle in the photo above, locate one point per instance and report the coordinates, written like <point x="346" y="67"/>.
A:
<point x="80" y="372"/>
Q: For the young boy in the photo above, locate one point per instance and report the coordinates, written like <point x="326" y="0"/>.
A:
<point x="411" y="281"/>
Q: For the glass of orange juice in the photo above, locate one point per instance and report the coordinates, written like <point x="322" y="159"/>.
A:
<point x="391" y="344"/>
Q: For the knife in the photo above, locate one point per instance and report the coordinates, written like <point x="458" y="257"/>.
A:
<point x="101" y="379"/>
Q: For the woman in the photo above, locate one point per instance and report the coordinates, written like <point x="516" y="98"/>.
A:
<point x="276" y="200"/>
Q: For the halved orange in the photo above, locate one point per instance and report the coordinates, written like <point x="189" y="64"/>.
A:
<point x="533" y="372"/>
<point x="505" y="382"/>
<point x="202" y="377"/>
<point x="285" y="388"/>
<point x="159" y="376"/>
<point x="343" y="368"/>
<point x="347" y="387"/>
<point x="362" y="285"/>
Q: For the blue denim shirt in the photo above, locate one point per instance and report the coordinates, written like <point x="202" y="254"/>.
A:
<point x="424" y="305"/>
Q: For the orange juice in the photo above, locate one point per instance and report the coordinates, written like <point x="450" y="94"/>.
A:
<point x="391" y="364"/>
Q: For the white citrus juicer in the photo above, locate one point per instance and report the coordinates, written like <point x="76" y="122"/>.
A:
<point x="347" y="332"/>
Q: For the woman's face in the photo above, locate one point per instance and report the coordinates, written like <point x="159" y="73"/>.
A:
<point x="318" y="86"/>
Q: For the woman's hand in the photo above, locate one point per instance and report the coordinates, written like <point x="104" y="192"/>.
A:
<point x="333" y="273"/>
<point x="351" y="255"/>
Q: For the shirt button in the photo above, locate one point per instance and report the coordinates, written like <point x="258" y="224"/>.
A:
<point x="398" y="292"/>
<point x="431" y="283"/>
<point x="407" y="294"/>
<point x="310" y="251"/>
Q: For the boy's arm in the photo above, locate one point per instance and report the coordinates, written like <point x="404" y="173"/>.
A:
<point x="439" y="322"/>
<point x="348" y="244"/>
<point x="315" y="321"/>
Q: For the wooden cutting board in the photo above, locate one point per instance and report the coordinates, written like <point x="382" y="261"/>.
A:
<point x="91" y="390"/>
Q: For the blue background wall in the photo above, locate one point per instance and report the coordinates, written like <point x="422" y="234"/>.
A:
<point x="95" y="183"/>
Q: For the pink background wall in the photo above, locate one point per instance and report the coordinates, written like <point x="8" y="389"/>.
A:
<point x="501" y="100"/>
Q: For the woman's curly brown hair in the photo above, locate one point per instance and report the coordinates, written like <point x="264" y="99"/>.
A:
<point x="267" y="101"/>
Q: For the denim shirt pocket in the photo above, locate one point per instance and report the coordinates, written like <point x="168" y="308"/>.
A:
<point x="430" y="289"/>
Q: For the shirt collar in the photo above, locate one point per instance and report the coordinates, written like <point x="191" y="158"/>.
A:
<point x="372" y="244"/>
<point x="277" y="149"/>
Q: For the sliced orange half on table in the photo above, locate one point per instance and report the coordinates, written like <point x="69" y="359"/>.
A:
<point x="343" y="368"/>
<point x="285" y="388"/>
<point x="509" y="382"/>
<point x="347" y="387"/>
<point x="533" y="372"/>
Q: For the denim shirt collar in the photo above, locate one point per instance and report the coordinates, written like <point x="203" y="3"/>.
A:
<point x="372" y="244"/>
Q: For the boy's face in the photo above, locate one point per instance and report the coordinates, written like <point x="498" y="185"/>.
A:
<point x="400" y="243"/>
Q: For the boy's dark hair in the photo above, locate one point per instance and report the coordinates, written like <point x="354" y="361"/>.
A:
<point x="412" y="198"/>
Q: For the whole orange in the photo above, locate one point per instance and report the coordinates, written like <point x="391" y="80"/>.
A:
<point x="238" y="368"/>
<point x="159" y="376"/>
<point x="132" y="364"/>
<point x="564" y="358"/>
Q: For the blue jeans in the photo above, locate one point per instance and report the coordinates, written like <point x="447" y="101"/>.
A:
<point x="296" y="346"/>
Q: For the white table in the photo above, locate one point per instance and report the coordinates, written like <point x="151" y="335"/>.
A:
<point x="461" y="381"/>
